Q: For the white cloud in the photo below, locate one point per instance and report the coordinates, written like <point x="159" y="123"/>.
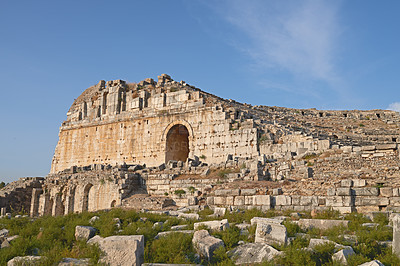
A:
<point x="394" y="106"/>
<point x="295" y="36"/>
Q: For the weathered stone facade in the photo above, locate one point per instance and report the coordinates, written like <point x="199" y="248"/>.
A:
<point x="149" y="123"/>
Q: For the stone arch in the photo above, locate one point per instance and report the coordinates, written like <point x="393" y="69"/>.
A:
<point x="177" y="143"/>
<point x="190" y="137"/>
<point x="113" y="203"/>
<point x="87" y="197"/>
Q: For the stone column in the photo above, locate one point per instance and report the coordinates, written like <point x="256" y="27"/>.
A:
<point x="34" y="211"/>
<point x="396" y="234"/>
<point x="3" y="211"/>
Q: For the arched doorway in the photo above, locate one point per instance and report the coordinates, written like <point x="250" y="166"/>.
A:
<point x="177" y="146"/>
<point x="86" y="197"/>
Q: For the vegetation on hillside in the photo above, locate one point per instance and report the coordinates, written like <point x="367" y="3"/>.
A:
<point x="53" y="237"/>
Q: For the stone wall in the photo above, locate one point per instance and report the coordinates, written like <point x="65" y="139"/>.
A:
<point x="137" y="133"/>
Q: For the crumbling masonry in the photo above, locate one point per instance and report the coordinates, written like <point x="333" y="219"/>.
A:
<point x="166" y="143"/>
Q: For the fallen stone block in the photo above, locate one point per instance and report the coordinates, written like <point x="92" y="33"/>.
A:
<point x="179" y="227"/>
<point x="271" y="233"/>
<point x="316" y="241"/>
<point x="395" y="217"/>
<point x="94" y="219"/>
<point x="321" y="224"/>
<point x="219" y="211"/>
<point x="26" y="260"/>
<point x="73" y="262"/>
<point x="214" y="225"/>
<point x="372" y="263"/>
<point x="256" y="220"/>
<point x="165" y="233"/>
<point x="84" y="232"/>
<point x="342" y="255"/>
<point x="4" y="233"/>
<point x="189" y="216"/>
<point x="121" y="250"/>
<point x="205" y="245"/>
<point x="251" y="253"/>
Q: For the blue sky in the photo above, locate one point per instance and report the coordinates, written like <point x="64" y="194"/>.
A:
<point x="300" y="54"/>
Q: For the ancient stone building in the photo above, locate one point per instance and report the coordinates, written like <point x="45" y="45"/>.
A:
<point x="149" y="123"/>
<point x="150" y="145"/>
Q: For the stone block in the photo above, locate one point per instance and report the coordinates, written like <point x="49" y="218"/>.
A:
<point x="4" y="233"/>
<point x="321" y="223"/>
<point x="271" y="233"/>
<point x="210" y="201"/>
<point x="343" y="210"/>
<point x="219" y="212"/>
<point x="283" y="200"/>
<point x="248" y="200"/>
<point x="121" y="250"/>
<point x="166" y="233"/>
<point x="239" y="201"/>
<point x="189" y="216"/>
<point x="219" y="200"/>
<point x="277" y="191"/>
<point x="331" y="191"/>
<point x="394" y="201"/>
<point x="74" y="262"/>
<point x="395" y="192"/>
<point x="343" y="191"/>
<point x="229" y="201"/>
<point x="205" y="245"/>
<point x="253" y="253"/>
<point x="372" y="263"/>
<point x="264" y="200"/>
<point x="26" y="260"/>
<point x="396" y="234"/>
<point x="339" y="201"/>
<point x="359" y="182"/>
<point x="371" y="201"/>
<point x="84" y="232"/>
<point x="248" y="192"/>
<point x="386" y="191"/>
<point x="213" y="225"/>
<point x="366" y="191"/>
<point x="308" y="200"/>
<point x="346" y="183"/>
<point x="256" y="220"/>
<point x="227" y="192"/>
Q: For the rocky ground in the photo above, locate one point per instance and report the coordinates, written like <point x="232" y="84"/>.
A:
<point x="206" y="237"/>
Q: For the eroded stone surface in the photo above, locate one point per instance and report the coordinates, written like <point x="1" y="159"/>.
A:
<point x="205" y="244"/>
<point x="250" y="253"/>
<point x="121" y="250"/>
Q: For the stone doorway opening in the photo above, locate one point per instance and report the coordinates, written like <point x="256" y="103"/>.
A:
<point x="177" y="146"/>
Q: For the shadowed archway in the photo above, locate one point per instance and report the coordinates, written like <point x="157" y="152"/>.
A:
<point x="177" y="146"/>
<point x="87" y="197"/>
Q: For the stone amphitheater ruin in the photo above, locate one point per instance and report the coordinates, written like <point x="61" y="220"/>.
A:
<point x="166" y="144"/>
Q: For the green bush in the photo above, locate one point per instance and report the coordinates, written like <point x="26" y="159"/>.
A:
<point x="328" y="214"/>
<point x="230" y="236"/>
<point x="174" y="248"/>
<point x="292" y="228"/>
<point x="220" y="257"/>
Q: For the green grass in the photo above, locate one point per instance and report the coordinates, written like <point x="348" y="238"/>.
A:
<point x="53" y="238"/>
